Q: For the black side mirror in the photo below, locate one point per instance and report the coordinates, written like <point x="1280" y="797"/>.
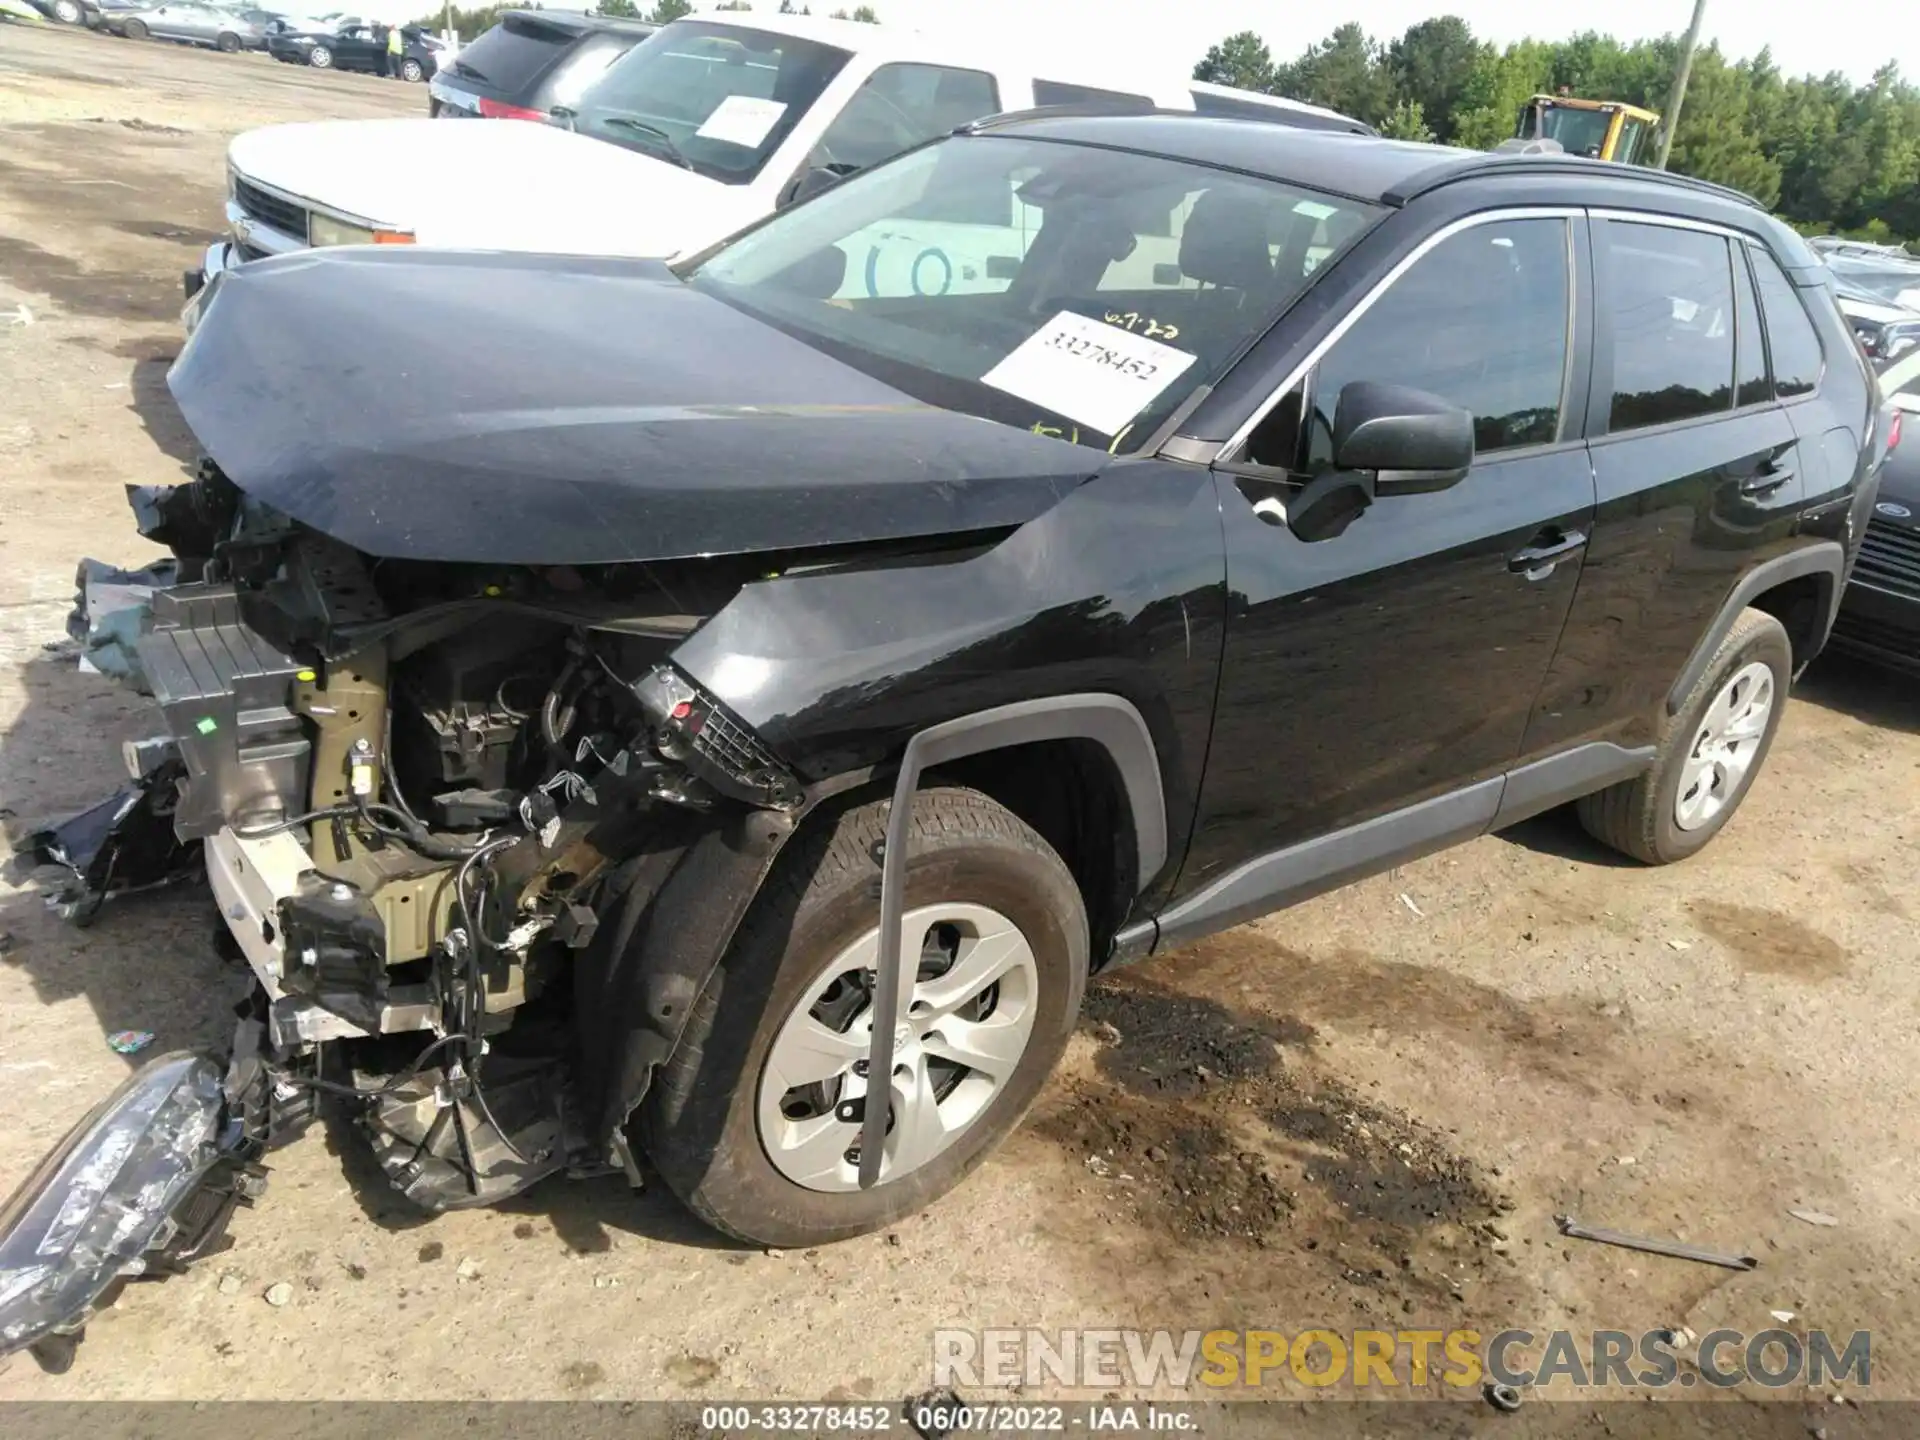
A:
<point x="810" y="183"/>
<point x="1410" y="442"/>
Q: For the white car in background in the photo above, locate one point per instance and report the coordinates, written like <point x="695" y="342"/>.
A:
<point x="705" y="127"/>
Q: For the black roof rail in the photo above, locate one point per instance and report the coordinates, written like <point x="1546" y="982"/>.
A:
<point x="1422" y="182"/>
<point x="1331" y="123"/>
<point x="1117" y="106"/>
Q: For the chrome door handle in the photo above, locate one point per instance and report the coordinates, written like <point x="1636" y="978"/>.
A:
<point x="1765" y="483"/>
<point x="1534" y="557"/>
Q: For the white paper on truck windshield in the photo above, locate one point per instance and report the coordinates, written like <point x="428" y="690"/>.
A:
<point x="744" y="120"/>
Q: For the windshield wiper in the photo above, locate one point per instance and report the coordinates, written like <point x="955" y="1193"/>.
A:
<point x="652" y="132"/>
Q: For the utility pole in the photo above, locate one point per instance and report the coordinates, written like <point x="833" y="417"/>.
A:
<point x="1677" y="96"/>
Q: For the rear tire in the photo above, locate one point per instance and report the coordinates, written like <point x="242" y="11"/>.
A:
<point x="135" y="30"/>
<point x="702" y="1121"/>
<point x="227" y="44"/>
<point x="1701" y="775"/>
<point x="68" y="12"/>
<point x="320" y="58"/>
<point x="412" y="71"/>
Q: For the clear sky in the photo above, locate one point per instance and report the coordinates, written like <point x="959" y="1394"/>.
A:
<point x="1855" y="37"/>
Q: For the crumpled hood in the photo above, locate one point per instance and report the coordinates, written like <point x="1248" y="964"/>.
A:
<point x="523" y="409"/>
<point x="505" y="186"/>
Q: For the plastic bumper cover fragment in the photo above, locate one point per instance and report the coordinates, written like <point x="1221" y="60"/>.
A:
<point x="108" y="1201"/>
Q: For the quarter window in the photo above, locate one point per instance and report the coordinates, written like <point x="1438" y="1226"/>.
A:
<point x="1480" y="321"/>
<point x="1794" y="343"/>
<point x="1671" y="296"/>
<point x="898" y="106"/>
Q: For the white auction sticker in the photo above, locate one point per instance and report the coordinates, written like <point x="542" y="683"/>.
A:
<point x="1093" y="374"/>
<point x="742" y="120"/>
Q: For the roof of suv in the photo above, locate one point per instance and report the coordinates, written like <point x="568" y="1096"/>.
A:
<point x="1380" y="171"/>
<point x="580" y="21"/>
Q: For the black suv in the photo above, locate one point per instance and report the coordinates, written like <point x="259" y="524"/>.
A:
<point x="529" y="62"/>
<point x="626" y="710"/>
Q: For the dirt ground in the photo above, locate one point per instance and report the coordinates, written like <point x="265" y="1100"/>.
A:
<point x="1364" y="1112"/>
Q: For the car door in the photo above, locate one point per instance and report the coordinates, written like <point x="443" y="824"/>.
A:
<point x="1698" y="469"/>
<point x="202" y="24"/>
<point x="354" y="48"/>
<point x="1391" y="670"/>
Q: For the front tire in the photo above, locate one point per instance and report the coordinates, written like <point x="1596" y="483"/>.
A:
<point x="69" y="12"/>
<point x="1709" y="751"/>
<point x="135" y="30"/>
<point x="320" y="58"/>
<point x="745" y="1123"/>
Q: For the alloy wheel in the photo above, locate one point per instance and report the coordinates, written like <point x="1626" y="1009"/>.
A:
<point x="970" y="1016"/>
<point x="1724" y="746"/>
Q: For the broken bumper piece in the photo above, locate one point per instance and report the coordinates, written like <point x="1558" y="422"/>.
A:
<point x="125" y="1194"/>
<point x="124" y="843"/>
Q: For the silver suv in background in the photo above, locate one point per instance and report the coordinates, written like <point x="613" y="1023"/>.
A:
<point x="210" y="25"/>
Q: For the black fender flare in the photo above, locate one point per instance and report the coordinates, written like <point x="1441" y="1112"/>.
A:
<point x="1106" y="719"/>
<point x="1826" y="559"/>
<point x="680" y="901"/>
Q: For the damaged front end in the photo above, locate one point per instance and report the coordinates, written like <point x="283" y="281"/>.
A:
<point x="477" y="829"/>
<point x="414" y="790"/>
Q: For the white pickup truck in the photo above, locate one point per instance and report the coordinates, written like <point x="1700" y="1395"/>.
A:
<point x="703" y="128"/>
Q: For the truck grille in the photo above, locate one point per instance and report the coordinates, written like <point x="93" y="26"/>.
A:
<point x="1890" y="558"/>
<point x="269" y="209"/>
<point x="1885" y="639"/>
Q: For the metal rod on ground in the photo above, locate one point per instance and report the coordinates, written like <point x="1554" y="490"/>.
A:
<point x="1677" y="96"/>
<point x="1676" y="1249"/>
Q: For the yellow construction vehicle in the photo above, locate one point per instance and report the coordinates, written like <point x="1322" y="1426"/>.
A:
<point x="1603" y="129"/>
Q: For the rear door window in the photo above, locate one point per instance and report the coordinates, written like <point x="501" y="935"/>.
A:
<point x="1791" y="338"/>
<point x="1670" y="296"/>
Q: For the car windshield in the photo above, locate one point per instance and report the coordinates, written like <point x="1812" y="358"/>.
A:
<point x="1074" y="291"/>
<point x="1892" y="284"/>
<point x="717" y="99"/>
<point x="1580" y="132"/>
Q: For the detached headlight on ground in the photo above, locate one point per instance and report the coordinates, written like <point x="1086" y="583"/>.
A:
<point x="105" y="1197"/>
<point x="325" y="230"/>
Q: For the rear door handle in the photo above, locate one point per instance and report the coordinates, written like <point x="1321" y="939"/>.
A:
<point x="1546" y="553"/>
